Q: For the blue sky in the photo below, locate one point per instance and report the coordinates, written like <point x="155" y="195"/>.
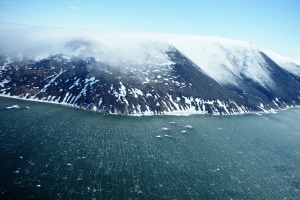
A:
<point x="272" y="24"/>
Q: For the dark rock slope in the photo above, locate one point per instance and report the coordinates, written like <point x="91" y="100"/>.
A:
<point x="177" y="88"/>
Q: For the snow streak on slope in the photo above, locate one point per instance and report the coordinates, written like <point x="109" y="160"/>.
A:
<point x="225" y="60"/>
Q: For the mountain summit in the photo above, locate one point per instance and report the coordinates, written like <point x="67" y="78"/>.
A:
<point x="151" y="74"/>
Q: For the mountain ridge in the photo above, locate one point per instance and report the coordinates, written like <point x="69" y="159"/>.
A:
<point x="155" y="77"/>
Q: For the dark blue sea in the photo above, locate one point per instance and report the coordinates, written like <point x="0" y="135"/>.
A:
<point x="55" y="152"/>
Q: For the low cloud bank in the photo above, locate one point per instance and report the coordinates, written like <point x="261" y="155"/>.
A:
<point x="111" y="48"/>
<point x="225" y="60"/>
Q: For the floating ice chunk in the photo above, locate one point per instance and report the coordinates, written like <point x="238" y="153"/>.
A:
<point x="14" y="106"/>
<point x="188" y="126"/>
<point x="69" y="164"/>
<point x="183" y="131"/>
<point x="38" y="185"/>
<point x="165" y="129"/>
<point x="168" y="136"/>
<point x="215" y="170"/>
<point x="158" y="136"/>
<point x="27" y="107"/>
<point x="31" y="162"/>
<point x="172" y="122"/>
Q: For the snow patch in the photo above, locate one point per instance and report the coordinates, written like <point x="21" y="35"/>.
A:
<point x="4" y="82"/>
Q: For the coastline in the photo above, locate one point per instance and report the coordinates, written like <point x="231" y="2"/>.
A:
<point x="166" y="113"/>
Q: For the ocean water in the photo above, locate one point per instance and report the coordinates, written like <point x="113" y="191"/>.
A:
<point x="55" y="152"/>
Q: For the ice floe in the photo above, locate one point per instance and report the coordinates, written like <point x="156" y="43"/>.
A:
<point x="13" y="107"/>
<point x="188" y="126"/>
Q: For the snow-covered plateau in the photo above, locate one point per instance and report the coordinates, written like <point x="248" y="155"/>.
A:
<point x="147" y="74"/>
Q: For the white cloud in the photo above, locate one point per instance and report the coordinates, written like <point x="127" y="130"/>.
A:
<point x="74" y="8"/>
<point x="223" y="59"/>
<point x="113" y="49"/>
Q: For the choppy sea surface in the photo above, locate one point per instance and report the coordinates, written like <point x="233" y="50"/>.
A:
<point x="55" y="152"/>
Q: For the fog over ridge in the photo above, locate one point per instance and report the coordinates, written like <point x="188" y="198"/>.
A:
<point x="225" y="60"/>
<point x="111" y="48"/>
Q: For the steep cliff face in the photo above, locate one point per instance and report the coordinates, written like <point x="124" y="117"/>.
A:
<point x="208" y="76"/>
